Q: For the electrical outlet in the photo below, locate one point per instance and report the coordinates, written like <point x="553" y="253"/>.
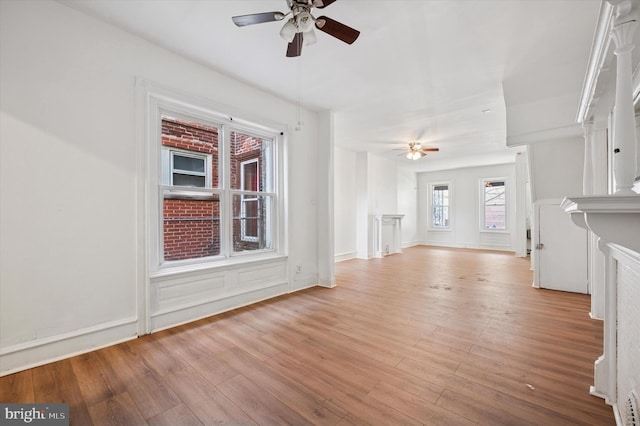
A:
<point x="298" y="269"/>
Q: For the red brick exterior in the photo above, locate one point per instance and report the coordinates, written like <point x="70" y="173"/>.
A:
<point x="192" y="227"/>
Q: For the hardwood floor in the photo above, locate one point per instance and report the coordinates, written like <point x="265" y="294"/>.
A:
<point x="432" y="336"/>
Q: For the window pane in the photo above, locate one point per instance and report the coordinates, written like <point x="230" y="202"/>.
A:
<point x="440" y="206"/>
<point x="494" y="217"/>
<point x="495" y="205"/>
<point x="251" y="154"/>
<point x="191" y="228"/>
<point x="191" y="136"/>
<point x="494" y="193"/>
<point x="189" y="180"/>
<point x="188" y="164"/>
<point x="251" y="230"/>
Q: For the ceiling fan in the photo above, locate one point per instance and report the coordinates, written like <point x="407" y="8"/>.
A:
<point x="298" y="30"/>
<point x="416" y="151"/>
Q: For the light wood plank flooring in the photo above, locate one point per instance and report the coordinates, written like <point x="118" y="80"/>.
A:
<point x="431" y="336"/>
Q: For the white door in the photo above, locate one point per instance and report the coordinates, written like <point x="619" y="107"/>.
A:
<point x="561" y="251"/>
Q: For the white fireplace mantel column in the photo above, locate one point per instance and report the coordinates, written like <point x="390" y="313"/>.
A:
<point x="615" y="219"/>
<point x="624" y="129"/>
<point x="595" y="183"/>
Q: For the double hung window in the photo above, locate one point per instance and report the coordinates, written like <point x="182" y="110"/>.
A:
<point x="440" y="206"/>
<point x="494" y="205"/>
<point x="216" y="186"/>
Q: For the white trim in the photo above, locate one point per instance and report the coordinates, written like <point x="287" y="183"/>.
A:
<point x="471" y="246"/>
<point x="600" y="46"/>
<point x="49" y="349"/>
<point x="141" y="206"/>
<point x="341" y="257"/>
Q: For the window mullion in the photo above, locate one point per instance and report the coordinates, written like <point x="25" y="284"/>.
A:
<point x="226" y="227"/>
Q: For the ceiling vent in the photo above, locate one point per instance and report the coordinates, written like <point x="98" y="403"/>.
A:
<point x="630" y="414"/>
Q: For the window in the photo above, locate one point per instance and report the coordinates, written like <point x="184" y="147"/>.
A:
<point x="216" y="187"/>
<point x="188" y="170"/>
<point x="495" y="207"/>
<point x="185" y="168"/>
<point x="440" y="206"/>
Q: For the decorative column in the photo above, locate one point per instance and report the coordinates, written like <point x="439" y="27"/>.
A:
<point x="595" y="183"/>
<point x="624" y="128"/>
<point x="604" y="373"/>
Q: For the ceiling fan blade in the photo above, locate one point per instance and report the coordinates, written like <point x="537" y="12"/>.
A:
<point x="295" y="47"/>
<point x="257" y="18"/>
<point x="430" y="149"/>
<point x="337" y="29"/>
<point x="321" y="4"/>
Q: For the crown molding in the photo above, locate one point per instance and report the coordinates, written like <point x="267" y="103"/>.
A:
<point x="599" y="50"/>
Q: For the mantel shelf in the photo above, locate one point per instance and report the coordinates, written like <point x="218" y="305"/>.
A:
<point x="614" y="218"/>
<point x="389" y="216"/>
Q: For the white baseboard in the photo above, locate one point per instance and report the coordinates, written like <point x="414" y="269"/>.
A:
<point x="407" y="244"/>
<point x="345" y="256"/>
<point x="328" y="283"/>
<point x="43" y="351"/>
<point x="469" y="246"/>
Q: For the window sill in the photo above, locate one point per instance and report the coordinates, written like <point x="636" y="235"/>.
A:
<point x="495" y="231"/>
<point x="439" y="229"/>
<point x="213" y="265"/>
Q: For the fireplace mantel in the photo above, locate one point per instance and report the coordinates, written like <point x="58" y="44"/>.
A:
<point x="613" y="218"/>
<point x="394" y="245"/>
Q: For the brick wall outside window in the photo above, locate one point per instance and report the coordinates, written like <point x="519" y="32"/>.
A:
<point x="192" y="227"/>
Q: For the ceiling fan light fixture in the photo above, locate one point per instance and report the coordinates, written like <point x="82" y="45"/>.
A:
<point x="289" y="30"/>
<point x="409" y="155"/>
<point x="416" y="155"/>
<point x="309" y="38"/>
<point x="304" y="21"/>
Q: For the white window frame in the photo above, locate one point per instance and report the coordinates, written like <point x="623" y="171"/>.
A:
<point x="155" y="101"/>
<point x="483" y="205"/>
<point x="248" y="196"/>
<point x="430" y="224"/>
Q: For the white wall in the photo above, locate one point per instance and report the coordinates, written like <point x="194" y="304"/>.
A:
<point x="465" y="208"/>
<point x="408" y="206"/>
<point x="69" y="206"/>
<point x="345" y="206"/>
<point x="383" y="185"/>
<point x="556" y="168"/>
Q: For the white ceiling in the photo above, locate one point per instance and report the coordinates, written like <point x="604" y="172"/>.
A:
<point x="421" y="69"/>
